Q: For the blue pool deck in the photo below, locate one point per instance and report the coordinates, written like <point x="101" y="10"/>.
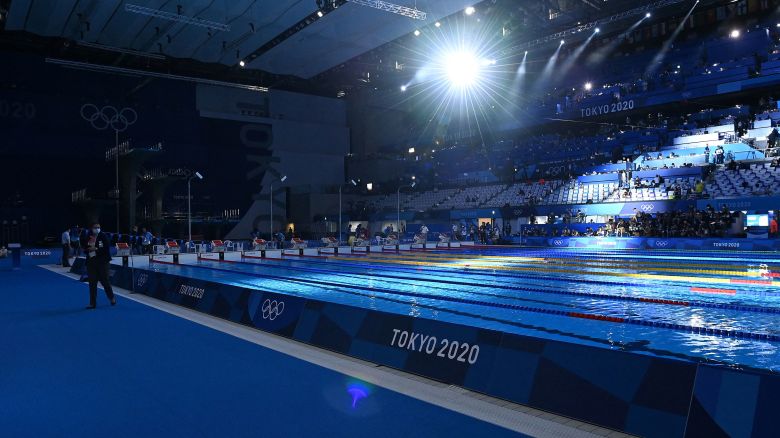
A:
<point x="132" y="370"/>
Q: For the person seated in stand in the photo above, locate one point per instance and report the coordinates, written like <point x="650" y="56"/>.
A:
<point x="699" y="187"/>
<point x="3" y="252"/>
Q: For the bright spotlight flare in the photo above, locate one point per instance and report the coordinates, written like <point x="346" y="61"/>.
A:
<point x="463" y="68"/>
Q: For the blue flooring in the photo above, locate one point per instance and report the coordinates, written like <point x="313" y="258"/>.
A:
<point x="133" y="371"/>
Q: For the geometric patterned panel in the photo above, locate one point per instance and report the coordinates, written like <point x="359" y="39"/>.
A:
<point x="734" y="403"/>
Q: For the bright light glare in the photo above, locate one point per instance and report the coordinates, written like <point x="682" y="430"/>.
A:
<point x="403" y="87"/>
<point x="647" y="15"/>
<point x="734" y="33"/>
<point x="588" y="86"/>
<point x="462" y="69"/>
<point x="470" y="10"/>
<point x="597" y="30"/>
<point x="437" y="24"/>
<point x="416" y="32"/>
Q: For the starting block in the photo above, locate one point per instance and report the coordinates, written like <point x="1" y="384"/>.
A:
<point x="330" y="242"/>
<point x="173" y="248"/>
<point x="123" y="250"/>
<point x="218" y="246"/>
<point x="297" y="243"/>
<point x="391" y="239"/>
<point x="259" y="244"/>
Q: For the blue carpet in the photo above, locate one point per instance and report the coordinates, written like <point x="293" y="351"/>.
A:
<point x="133" y="371"/>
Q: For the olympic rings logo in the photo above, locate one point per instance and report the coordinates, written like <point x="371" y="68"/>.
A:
<point x="272" y="309"/>
<point x="142" y="280"/>
<point x="108" y="116"/>
<point x="647" y="207"/>
<point x="661" y="243"/>
<point x="557" y="242"/>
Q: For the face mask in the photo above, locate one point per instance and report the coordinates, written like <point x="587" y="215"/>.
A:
<point x="96" y="230"/>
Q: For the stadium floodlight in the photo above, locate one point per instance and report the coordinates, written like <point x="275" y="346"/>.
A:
<point x="398" y="199"/>
<point x="462" y="68"/>
<point x="588" y="86"/>
<point x="320" y="14"/>
<point x="648" y="15"/>
<point x="189" y="205"/>
<point x="403" y="87"/>
<point x="470" y="10"/>
<point x="596" y="30"/>
<point x="734" y="33"/>
<point x="562" y="42"/>
<point x="417" y="32"/>
<point x="242" y="63"/>
<point x="437" y="24"/>
<point x="341" y="214"/>
<point x="271" y="190"/>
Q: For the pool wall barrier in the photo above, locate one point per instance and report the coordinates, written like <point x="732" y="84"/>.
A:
<point x="635" y="393"/>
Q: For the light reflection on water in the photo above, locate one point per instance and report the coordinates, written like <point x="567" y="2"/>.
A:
<point x="434" y="296"/>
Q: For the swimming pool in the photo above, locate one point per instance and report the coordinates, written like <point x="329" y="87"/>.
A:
<point x="715" y="307"/>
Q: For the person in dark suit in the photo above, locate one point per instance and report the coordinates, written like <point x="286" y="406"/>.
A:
<point x="66" y="249"/>
<point x="97" y="248"/>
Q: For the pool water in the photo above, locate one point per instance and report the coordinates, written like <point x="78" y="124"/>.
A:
<point x="716" y="306"/>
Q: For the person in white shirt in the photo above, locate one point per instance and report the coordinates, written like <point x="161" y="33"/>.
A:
<point x="424" y="231"/>
<point x="66" y="249"/>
